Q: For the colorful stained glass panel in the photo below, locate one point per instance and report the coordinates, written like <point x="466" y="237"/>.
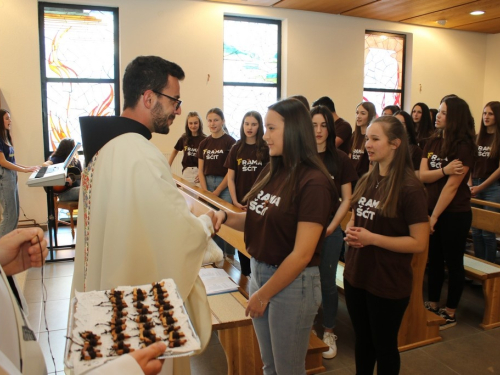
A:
<point x="250" y="52"/>
<point x="78" y="43"/>
<point x="383" y="61"/>
<point x="66" y="102"/>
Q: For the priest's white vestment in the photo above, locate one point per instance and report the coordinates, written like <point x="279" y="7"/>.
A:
<point x="137" y="228"/>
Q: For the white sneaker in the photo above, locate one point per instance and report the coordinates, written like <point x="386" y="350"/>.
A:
<point x="330" y="340"/>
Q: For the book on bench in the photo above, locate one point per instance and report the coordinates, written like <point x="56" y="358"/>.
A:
<point x="217" y="281"/>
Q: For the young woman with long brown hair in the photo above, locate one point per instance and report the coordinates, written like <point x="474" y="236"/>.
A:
<point x="388" y="224"/>
<point x="285" y="223"/>
<point x="486" y="177"/>
<point x="445" y="168"/>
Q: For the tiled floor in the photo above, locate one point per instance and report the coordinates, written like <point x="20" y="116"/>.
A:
<point x="465" y="349"/>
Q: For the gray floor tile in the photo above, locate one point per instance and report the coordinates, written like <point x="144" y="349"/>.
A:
<point x="52" y="270"/>
<point x="58" y="287"/>
<point x="57" y="343"/>
<point x="56" y="313"/>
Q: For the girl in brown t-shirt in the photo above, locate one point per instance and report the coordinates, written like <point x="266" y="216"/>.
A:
<point x="388" y="224"/>
<point x="415" y="151"/>
<point x="486" y="177"/>
<point x="284" y="226"/>
<point x="212" y="154"/>
<point x="343" y="174"/>
<point x="447" y="159"/>
<point x="423" y="123"/>
<point x="189" y="143"/>
<point x="365" y="113"/>
<point x="246" y="160"/>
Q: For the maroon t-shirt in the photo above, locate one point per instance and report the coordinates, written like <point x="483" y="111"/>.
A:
<point x="416" y="156"/>
<point x="246" y="167"/>
<point x="484" y="165"/>
<point x="432" y="152"/>
<point x="190" y="157"/>
<point x="382" y="272"/>
<point x="359" y="157"/>
<point x="214" y="152"/>
<point x="343" y="130"/>
<point x="271" y="228"/>
<point x="345" y="173"/>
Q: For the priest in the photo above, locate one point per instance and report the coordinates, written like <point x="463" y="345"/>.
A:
<point x="135" y="226"/>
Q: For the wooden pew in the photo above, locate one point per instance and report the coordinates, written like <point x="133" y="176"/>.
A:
<point x="236" y="333"/>
<point x="486" y="272"/>
<point x="419" y="326"/>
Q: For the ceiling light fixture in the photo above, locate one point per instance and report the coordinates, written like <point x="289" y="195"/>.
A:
<point x="442" y="22"/>
<point x="477" y="13"/>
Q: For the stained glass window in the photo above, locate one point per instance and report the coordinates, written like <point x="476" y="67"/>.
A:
<point x="252" y="59"/>
<point x="384" y="69"/>
<point x="79" y="67"/>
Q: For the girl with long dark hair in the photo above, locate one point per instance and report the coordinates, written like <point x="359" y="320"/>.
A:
<point x="445" y="168"/>
<point x="245" y="161"/>
<point x="415" y="151"/>
<point x="365" y="113"/>
<point x="388" y="225"/>
<point x="343" y="174"/>
<point x="9" y="195"/>
<point x="486" y="177"/>
<point x="423" y="123"/>
<point x="285" y="223"/>
<point x="189" y="142"/>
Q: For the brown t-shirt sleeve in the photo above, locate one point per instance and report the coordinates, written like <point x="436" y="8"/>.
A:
<point x="416" y="156"/>
<point x="231" y="162"/>
<point x="179" y="146"/>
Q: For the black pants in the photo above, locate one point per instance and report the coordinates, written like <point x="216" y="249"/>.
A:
<point x="447" y="247"/>
<point x="376" y="323"/>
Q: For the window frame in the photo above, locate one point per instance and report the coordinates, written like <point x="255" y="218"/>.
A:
<point x="44" y="80"/>
<point x="403" y="70"/>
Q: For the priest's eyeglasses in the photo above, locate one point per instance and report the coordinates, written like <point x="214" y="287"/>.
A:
<point x="177" y="101"/>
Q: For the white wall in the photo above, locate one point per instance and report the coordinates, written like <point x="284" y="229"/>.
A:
<point x="323" y="55"/>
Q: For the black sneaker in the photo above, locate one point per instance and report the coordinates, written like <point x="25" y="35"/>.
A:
<point x="429" y="307"/>
<point x="449" y="320"/>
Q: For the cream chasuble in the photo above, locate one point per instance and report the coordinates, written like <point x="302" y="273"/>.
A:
<point x="137" y="229"/>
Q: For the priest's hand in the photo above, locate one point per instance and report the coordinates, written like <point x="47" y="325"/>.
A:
<point x="146" y="358"/>
<point x="22" y="249"/>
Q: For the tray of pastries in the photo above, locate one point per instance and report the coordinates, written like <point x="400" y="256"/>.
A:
<point x="106" y="324"/>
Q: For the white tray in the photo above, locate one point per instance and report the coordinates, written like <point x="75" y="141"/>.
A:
<point x="91" y="312"/>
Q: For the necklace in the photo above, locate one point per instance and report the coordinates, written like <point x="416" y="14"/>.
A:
<point x="378" y="182"/>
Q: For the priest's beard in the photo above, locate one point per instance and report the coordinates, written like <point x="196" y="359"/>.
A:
<point x="161" y="120"/>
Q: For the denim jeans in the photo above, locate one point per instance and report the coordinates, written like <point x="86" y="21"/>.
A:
<point x="212" y="183"/>
<point x="485" y="243"/>
<point x="283" y="331"/>
<point x="330" y="254"/>
<point x="9" y="199"/>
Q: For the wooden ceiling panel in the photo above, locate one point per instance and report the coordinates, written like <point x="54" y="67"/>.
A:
<point x="262" y="3"/>
<point x="416" y="12"/>
<point x="323" y="6"/>
<point x="489" y="27"/>
<point x="390" y="10"/>
<point x="460" y="15"/>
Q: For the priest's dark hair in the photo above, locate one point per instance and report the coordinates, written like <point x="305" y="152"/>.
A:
<point x="147" y="73"/>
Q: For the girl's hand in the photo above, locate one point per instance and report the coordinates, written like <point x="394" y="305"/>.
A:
<point x="255" y="308"/>
<point x="240" y="206"/>
<point x="474" y="190"/>
<point x="454" y="167"/>
<point x="358" y="237"/>
<point x="329" y="231"/>
<point x="31" y="169"/>
<point x="433" y="222"/>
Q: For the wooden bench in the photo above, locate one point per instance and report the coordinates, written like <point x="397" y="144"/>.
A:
<point x="485" y="272"/>
<point x="419" y="326"/>
<point x="236" y="333"/>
